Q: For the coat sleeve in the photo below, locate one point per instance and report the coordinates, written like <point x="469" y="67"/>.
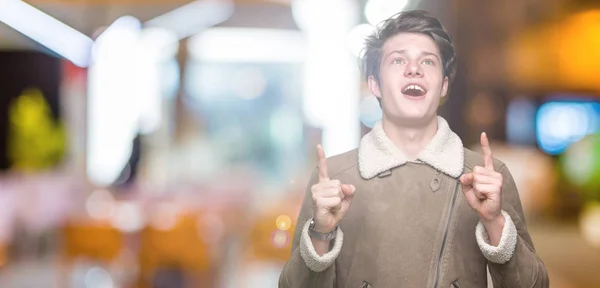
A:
<point x="513" y="263"/>
<point x="306" y="268"/>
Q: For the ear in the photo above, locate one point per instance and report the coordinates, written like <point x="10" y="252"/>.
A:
<point x="445" y="87"/>
<point x="374" y="87"/>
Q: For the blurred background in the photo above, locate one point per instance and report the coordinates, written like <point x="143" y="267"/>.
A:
<point x="155" y="143"/>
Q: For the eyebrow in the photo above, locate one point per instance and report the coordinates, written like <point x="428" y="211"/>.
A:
<point x="423" y="53"/>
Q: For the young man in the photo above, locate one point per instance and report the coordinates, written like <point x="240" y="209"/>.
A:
<point x="416" y="208"/>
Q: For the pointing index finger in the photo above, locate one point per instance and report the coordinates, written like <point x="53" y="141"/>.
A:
<point x="488" y="160"/>
<point x="322" y="164"/>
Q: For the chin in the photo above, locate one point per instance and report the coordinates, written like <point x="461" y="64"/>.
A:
<point x="409" y="111"/>
<point x="412" y="118"/>
<point x="413" y="114"/>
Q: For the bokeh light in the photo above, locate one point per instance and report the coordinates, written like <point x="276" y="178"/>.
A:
<point x="128" y="217"/>
<point x="581" y="165"/>
<point x="357" y="38"/>
<point x="560" y="124"/>
<point x="283" y="222"/>
<point x="578" y="47"/>
<point x="100" y="204"/>
<point x="280" y="239"/>
<point x="98" y="278"/>
<point x="315" y="16"/>
<point x="379" y="10"/>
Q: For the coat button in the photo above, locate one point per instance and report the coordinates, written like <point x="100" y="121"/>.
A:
<point x="436" y="183"/>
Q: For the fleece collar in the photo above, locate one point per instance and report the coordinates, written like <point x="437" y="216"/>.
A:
<point x="377" y="153"/>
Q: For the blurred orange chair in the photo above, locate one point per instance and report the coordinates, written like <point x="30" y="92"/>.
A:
<point x="96" y="240"/>
<point x="178" y="246"/>
<point x="91" y="240"/>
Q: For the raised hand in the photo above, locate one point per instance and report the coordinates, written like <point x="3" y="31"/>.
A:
<point x="331" y="198"/>
<point x="483" y="187"/>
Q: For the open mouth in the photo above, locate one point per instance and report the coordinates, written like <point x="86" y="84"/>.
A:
<point x="414" y="90"/>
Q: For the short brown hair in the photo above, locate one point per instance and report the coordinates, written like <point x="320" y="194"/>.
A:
<point x="416" y="21"/>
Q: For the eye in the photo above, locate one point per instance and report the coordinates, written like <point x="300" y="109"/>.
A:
<point x="428" y="62"/>
<point x="398" y="61"/>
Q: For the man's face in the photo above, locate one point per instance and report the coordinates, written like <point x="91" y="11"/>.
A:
<point x="410" y="79"/>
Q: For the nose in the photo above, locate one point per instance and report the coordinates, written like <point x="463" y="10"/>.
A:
<point x="413" y="70"/>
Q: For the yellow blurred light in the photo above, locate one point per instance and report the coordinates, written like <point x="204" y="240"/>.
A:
<point x="578" y="48"/>
<point x="283" y="222"/>
<point x="564" y="55"/>
<point x="35" y="139"/>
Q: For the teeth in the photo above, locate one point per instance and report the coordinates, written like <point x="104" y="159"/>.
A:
<point x="414" y="87"/>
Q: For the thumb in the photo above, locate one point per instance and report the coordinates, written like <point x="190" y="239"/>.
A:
<point x="466" y="179"/>
<point x="348" y="190"/>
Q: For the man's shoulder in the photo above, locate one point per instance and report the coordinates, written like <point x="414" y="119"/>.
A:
<point x="340" y="163"/>
<point x="473" y="158"/>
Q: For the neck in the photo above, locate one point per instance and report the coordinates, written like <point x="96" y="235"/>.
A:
<point x="410" y="139"/>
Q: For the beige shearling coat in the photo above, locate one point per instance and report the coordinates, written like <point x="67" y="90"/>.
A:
<point x="409" y="224"/>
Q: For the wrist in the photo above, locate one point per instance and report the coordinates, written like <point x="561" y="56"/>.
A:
<point x="321" y="245"/>
<point x="318" y="235"/>
<point x="494" y="227"/>
<point x="493" y="220"/>
<point x="321" y="241"/>
<point x="494" y="223"/>
<point x="318" y="227"/>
